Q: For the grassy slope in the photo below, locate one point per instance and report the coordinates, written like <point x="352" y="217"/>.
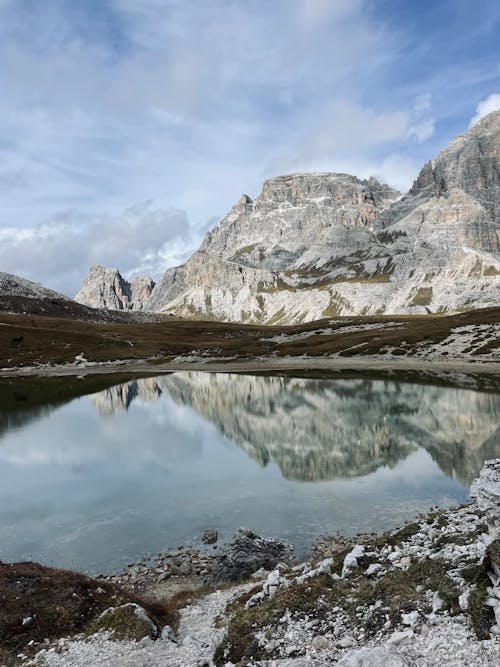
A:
<point x="35" y="339"/>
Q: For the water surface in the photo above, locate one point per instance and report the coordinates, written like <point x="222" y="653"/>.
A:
<point x="149" y="464"/>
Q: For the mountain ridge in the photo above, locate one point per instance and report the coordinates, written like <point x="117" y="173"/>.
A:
<point x="323" y="244"/>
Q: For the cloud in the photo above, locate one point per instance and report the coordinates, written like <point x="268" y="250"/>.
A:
<point x="58" y="253"/>
<point x="193" y="103"/>
<point x="486" y="106"/>
<point x="13" y="179"/>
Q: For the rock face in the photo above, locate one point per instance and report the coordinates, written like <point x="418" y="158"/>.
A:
<point x="247" y="553"/>
<point x="106" y="288"/>
<point x="14" y="286"/>
<point x="486" y="491"/>
<point x="322" y="244"/>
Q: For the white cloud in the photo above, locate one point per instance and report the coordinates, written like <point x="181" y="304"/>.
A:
<point x="422" y="127"/>
<point x="191" y="104"/>
<point x="58" y="253"/>
<point x="486" y="106"/>
<point x="422" y="130"/>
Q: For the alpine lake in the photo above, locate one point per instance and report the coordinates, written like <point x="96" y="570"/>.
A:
<point x="98" y="471"/>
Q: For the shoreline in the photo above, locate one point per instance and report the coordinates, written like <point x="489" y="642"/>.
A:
<point x="416" y="591"/>
<point x="259" y="365"/>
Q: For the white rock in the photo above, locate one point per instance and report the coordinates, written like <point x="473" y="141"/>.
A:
<point x="378" y="656"/>
<point x="321" y="643"/>
<point x="400" y="638"/>
<point x="437" y="602"/>
<point x="346" y="642"/>
<point x="410" y="619"/>
<point x="351" y="560"/>
<point x="463" y="600"/>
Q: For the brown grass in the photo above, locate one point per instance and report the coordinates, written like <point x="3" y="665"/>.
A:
<point x="35" y="339"/>
<point x="61" y="604"/>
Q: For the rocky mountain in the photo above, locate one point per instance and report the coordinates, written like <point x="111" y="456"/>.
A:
<point x="21" y="296"/>
<point x="322" y="244"/>
<point x="106" y="288"/>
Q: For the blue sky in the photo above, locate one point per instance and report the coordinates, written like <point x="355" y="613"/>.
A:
<point x="128" y="126"/>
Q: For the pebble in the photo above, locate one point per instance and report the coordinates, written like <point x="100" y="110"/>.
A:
<point x="321" y="643"/>
<point x="346" y="642"/>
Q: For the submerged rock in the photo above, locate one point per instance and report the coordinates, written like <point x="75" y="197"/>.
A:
<point x="210" y="536"/>
<point x="248" y="552"/>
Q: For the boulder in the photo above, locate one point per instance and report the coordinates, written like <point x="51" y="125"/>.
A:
<point x="247" y="552"/>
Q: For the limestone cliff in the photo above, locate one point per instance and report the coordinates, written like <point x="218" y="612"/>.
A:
<point x="321" y="244"/>
<point x="106" y="288"/>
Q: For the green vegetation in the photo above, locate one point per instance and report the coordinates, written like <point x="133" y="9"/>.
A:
<point x="396" y="592"/>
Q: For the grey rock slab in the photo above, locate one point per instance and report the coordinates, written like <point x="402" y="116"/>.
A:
<point x="247" y="553"/>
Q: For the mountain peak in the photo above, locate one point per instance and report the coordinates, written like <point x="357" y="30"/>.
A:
<point x="106" y="288"/>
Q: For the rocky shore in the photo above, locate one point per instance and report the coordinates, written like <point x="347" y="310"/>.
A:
<point x="426" y="594"/>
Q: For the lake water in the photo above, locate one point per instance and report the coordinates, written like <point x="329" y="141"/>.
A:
<point x="95" y="482"/>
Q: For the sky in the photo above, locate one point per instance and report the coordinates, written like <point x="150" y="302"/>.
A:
<point x="129" y="127"/>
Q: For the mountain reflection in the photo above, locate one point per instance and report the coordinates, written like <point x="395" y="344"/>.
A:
<point x="328" y="429"/>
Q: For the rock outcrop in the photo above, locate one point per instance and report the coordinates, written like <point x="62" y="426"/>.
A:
<point x="321" y="244"/>
<point x="106" y="288"/>
<point x="247" y="553"/>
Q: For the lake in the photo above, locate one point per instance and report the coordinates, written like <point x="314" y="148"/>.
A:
<point x="94" y="475"/>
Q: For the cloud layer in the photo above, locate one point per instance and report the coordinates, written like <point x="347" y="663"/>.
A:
<point x="144" y="239"/>
<point x="491" y="103"/>
<point x="112" y="102"/>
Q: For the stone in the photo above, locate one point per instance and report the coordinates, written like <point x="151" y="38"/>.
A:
<point x="486" y="491"/>
<point x="410" y="619"/>
<point x="167" y="634"/>
<point x="321" y="643"/>
<point x="210" y="536"/>
<point x="185" y="567"/>
<point x="346" y="642"/>
<point x="437" y="602"/>
<point x="351" y="560"/>
<point x="378" y="656"/>
<point x="400" y="638"/>
<point x="247" y="552"/>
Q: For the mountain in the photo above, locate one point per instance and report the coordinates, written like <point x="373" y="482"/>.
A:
<point x="106" y="288"/>
<point x="19" y="295"/>
<point x="24" y="297"/>
<point x="317" y="245"/>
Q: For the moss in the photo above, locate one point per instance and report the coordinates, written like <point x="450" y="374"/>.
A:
<point x="124" y="623"/>
<point x="397" y="590"/>
<point x="423" y="297"/>
<point x="240" y="643"/>
<point x="493" y="555"/>
<point x="61" y="604"/>
<point x="397" y="537"/>
<point x="481" y="616"/>
<point x="394" y="593"/>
